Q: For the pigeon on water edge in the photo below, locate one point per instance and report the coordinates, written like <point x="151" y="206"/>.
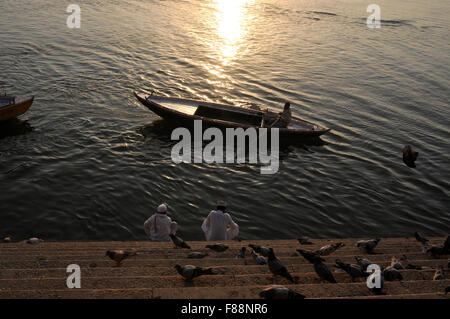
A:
<point x="368" y="245"/>
<point x="34" y="240"/>
<point x="304" y="241"/>
<point x="190" y="272"/>
<point x="179" y="242"/>
<point x="280" y="292"/>
<point x="420" y="238"/>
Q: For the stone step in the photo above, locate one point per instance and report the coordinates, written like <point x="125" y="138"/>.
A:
<point x="299" y="269"/>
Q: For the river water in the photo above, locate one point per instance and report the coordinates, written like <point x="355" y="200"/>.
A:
<point x="96" y="163"/>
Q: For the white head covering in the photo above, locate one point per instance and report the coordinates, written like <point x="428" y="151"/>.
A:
<point x="162" y="208"/>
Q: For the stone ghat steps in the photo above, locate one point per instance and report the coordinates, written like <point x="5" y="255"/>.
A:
<point x="39" y="270"/>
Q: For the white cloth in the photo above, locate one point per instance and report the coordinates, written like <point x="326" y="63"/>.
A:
<point x="219" y="226"/>
<point x="159" y="227"/>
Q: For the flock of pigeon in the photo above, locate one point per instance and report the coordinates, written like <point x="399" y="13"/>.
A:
<point x="277" y="268"/>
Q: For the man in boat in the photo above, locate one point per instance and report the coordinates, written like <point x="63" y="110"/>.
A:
<point x="280" y="120"/>
<point x="219" y="225"/>
<point x="159" y="226"/>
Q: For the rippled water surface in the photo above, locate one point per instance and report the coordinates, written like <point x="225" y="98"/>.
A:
<point x="96" y="163"/>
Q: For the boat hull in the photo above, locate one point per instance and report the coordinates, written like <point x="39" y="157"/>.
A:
<point x="16" y="109"/>
<point x="187" y="120"/>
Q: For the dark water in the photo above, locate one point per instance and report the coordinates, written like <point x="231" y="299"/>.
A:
<point x="96" y="163"/>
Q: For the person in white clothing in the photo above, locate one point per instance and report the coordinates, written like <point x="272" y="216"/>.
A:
<point x="159" y="226"/>
<point x="219" y="225"/>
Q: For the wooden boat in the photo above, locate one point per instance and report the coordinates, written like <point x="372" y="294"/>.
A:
<point x="13" y="106"/>
<point x="221" y="115"/>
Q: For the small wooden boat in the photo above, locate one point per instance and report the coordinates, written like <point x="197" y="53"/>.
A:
<point x="221" y="115"/>
<point x="13" y="106"/>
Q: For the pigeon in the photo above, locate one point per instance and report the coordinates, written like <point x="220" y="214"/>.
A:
<point x="119" y="255"/>
<point x="363" y="263"/>
<point x="368" y="245"/>
<point x="7" y="240"/>
<point x="304" y="241"/>
<point x="197" y="255"/>
<point x="34" y="240"/>
<point x="242" y="253"/>
<point x="396" y="264"/>
<point x="391" y="274"/>
<point x="277" y="267"/>
<point x="309" y="255"/>
<point x="439" y="274"/>
<point x="258" y="259"/>
<point x="260" y="250"/>
<point x="420" y="238"/>
<point x="354" y="271"/>
<point x="409" y="156"/>
<point x="179" y="242"/>
<point x="447" y="290"/>
<point x="217" y="247"/>
<point x="189" y="272"/>
<point x="328" y="249"/>
<point x="279" y="292"/>
<point x="323" y="271"/>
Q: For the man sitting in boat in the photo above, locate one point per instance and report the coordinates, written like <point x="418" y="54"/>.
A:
<point x="219" y="225"/>
<point x="160" y="226"/>
<point x="281" y="120"/>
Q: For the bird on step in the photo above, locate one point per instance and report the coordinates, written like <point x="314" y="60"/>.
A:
<point x="363" y="263"/>
<point x="309" y="255"/>
<point x="190" y="272"/>
<point x="328" y="249"/>
<point x="279" y="292"/>
<point x="368" y="245"/>
<point x="304" y="241"/>
<point x="259" y="260"/>
<point x="391" y="274"/>
<point x="396" y="264"/>
<point x="260" y="250"/>
<point x="179" y="242"/>
<point x="323" y="271"/>
<point x="120" y="255"/>
<point x="276" y="267"/>
<point x="354" y="271"/>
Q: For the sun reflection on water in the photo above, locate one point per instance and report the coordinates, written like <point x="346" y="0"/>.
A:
<point x="231" y="25"/>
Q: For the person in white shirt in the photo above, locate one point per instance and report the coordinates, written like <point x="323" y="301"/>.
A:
<point x="159" y="226"/>
<point x="219" y="225"/>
